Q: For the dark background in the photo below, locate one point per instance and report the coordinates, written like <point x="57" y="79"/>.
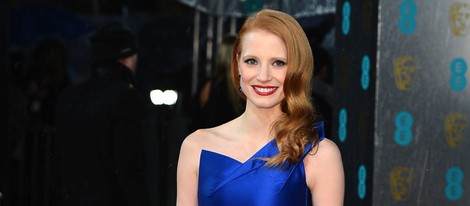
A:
<point x="165" y="32"/>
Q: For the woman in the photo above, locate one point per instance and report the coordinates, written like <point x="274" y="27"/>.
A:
<point x="274" y="153"/>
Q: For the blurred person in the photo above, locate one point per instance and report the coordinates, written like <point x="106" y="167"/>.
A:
<point x="35" y="79"/>
<point x="218" y="101"/>
<point x="46" y="78"/>
<point x="275" y="153"/>
<point x="99" y="144"/>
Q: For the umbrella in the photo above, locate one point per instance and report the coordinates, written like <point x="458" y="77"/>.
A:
<point x="241" y="8"/>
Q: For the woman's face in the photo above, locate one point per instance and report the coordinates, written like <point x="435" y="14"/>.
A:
<point x="262" y="66"/>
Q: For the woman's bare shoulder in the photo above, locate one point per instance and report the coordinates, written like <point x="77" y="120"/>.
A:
<point x="327" y="147"/>
<point x="323" y="160"/>
<point x="197" y="139"/>
<point x="213" y="139"/>
<point x="206" y="138"/>
<point x="191" y="149"/>
<point x="325" y="151"/>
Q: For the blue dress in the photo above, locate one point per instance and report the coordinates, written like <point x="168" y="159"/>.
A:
<point x="224" y="181"/>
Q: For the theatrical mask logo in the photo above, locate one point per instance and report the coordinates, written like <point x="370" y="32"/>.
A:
<point x="455" y="125"/>
<point x="404" y="69"/>
<point x="460" y="18"/>
<point x="400" y="182"/>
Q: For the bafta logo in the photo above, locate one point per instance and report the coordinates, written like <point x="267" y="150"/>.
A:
<point x="455" y="125"/>
<point x="459" y="14"/>
<point x="404" y="69"/>
<point x="400" y="182"/>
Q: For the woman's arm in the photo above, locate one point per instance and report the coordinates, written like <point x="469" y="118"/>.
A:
<point x="187" y="175"/>
<point x="325" y="175"/>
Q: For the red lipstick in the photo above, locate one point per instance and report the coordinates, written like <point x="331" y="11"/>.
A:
<point x="264" y="90"/>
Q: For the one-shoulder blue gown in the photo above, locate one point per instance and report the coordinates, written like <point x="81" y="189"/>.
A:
<point x="224" y="181"/>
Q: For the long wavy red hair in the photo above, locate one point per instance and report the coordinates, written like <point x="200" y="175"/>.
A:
<point x="294" y="129"/>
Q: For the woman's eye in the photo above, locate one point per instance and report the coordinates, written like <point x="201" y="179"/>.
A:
<point x="279" y="63"/>
<point x="250" y="61"/>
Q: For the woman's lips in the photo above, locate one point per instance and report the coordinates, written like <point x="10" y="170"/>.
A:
<point x="264" y="90"/>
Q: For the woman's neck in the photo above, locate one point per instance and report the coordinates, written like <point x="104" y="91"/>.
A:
<point x="257" y="123"/>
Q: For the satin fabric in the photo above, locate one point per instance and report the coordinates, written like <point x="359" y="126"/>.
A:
<point x="225" y="181"/>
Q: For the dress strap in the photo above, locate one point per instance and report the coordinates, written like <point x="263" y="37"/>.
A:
<point x="319" y="128"/>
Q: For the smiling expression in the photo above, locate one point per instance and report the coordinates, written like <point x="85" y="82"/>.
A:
<point x="262" y="67"/>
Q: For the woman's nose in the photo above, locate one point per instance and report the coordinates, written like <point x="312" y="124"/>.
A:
<point x="264" y="74"/>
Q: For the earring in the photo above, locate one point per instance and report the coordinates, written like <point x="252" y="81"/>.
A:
<point x="240" y="87"/>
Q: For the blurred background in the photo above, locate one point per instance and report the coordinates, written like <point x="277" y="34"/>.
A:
<point x="390" y="81"/>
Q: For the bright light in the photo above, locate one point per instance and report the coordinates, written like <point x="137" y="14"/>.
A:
<point x="168" y="97"/>
<point x="156" y="96"/>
